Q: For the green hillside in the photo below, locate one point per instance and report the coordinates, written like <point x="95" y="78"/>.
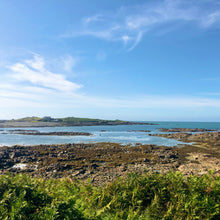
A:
<point x="66" y="119"/>
<point x="74" y="119"/>
<point x="28" y="119"/>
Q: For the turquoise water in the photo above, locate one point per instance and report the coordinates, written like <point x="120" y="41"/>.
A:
<point x="119" y="134"/>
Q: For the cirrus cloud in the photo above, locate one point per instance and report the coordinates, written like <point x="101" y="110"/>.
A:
<point x="129" y="24"/>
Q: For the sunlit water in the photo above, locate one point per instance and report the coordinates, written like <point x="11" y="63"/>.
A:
<point x="123" y="134"/>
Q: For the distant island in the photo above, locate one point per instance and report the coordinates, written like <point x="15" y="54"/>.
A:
<point x="48" y="121"/>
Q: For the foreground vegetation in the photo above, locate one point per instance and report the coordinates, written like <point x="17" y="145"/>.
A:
<point x="138" y="196"/>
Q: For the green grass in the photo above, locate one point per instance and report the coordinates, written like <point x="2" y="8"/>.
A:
<point x="74" y="119"/>
<point x="28" y="119"/>
<point x="155" y="196"/>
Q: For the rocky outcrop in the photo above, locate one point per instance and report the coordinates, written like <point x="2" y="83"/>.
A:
<point x="102" y="162"/>
<point x="58" y="133"/>
<point x="185" y="130"/>
<point x="191" y="137"/>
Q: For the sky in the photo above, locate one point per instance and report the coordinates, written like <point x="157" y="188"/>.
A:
<point x="141" y="60"/>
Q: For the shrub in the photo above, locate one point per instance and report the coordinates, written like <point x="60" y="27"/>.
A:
<point x="138" y="196"/>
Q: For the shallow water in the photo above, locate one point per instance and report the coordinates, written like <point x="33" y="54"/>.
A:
<point x="123" y="134"/>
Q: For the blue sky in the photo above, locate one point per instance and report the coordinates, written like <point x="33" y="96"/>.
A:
<point x="126" y="59"/>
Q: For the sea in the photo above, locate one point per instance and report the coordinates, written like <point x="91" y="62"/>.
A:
<point x="123" y="134"/>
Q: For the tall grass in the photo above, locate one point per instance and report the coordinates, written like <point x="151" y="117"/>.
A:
<point x="137" y="196"/>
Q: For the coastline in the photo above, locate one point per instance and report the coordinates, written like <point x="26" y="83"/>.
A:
<point x="103" y="162"/>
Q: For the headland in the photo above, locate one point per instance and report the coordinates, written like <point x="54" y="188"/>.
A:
<point x="48" y="121"/>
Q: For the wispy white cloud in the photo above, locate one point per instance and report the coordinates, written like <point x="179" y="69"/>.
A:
<point x="34" y="71"/>
<point x="125" y="39"/>
<point x="36" y="87"/>
<point x="137" y="40"/>
<point x="57" y="100"/>
<point x="211" y="19"/>
<point x="92" y="19"/>
<point x="69" y="62"/>
<point x="129" y="24"/>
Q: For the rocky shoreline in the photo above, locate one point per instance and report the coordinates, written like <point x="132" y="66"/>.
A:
<point x="102" y="162"/>
<point x="58" y="133"/>
<point x="185" y="130"/>
<point x="202" y="138"/>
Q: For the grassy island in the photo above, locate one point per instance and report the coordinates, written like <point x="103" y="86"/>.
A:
<point x="48" y="121"/>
